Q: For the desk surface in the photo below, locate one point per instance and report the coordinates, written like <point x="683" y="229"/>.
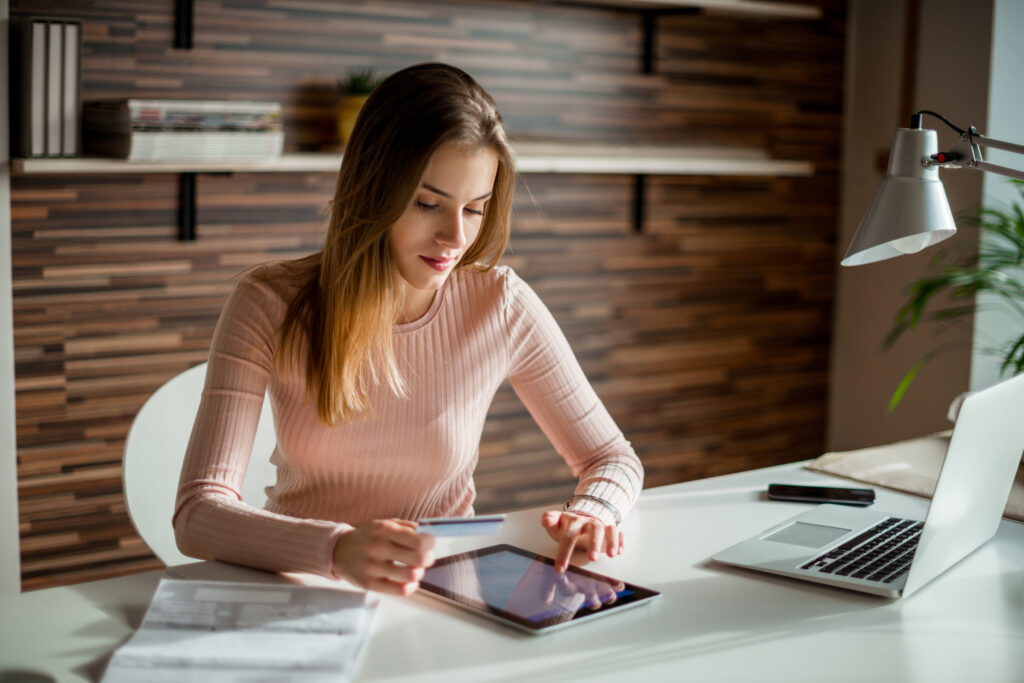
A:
<point x="712" y="623"/>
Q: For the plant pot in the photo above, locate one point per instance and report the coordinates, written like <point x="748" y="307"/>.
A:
<point x="349" y="107"/>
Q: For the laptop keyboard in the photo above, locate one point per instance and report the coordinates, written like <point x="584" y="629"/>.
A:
<point x="882" y="553"/>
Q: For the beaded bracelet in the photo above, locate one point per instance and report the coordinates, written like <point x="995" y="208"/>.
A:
<point x="594" y="499"/>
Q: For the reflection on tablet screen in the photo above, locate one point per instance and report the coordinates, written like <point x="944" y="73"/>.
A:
<point x="524" y="588"/>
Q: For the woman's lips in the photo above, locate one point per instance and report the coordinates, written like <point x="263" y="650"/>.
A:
<point x="439" y="264"/>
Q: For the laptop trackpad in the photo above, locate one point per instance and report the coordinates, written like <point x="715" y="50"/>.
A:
<point x="807" y="535"/>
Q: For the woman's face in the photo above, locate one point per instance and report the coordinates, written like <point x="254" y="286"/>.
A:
<point x="441" y="222"/>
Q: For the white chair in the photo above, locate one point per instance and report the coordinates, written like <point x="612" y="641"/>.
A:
<point x="155" y="449"/>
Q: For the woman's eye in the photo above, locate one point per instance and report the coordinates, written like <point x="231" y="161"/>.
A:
<point x="475" y="212"/>
<point x="424" y="205"/>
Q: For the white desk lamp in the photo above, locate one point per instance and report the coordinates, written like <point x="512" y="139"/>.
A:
<point x="910" y="211"/>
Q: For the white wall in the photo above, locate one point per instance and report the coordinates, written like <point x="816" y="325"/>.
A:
<point x="952" y="78"/>
<point x="10" y="574"/>
<point x="1005" y="122"/>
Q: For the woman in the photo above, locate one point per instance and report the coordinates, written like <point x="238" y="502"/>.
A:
<point x="382" y="353"/>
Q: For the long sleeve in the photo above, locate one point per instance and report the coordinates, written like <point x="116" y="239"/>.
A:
<point x="550" y="382"/>
<point x="210" y="520"/>
<point x="411" y="457"/>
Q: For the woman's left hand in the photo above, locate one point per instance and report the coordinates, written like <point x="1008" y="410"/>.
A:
<point x="581" y="538"/>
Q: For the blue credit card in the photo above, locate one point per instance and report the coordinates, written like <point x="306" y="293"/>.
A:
<point x="482" y="525"/>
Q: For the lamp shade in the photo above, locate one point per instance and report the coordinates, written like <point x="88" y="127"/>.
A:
<point x="910" y="211"/>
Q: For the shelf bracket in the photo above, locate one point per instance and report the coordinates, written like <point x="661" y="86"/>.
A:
<point x="184" y="13"/>
<point x="187" y="207"/>
<point x="649" y="23"/>
<point x="649" y="30"/>
<point x="639" y="202"/>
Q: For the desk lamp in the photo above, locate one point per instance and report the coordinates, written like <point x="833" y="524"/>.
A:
<point x="910" y="211"/>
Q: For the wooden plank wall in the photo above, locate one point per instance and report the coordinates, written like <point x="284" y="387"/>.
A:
<point x="707" y="334"/>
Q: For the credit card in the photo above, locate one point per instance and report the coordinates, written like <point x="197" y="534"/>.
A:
<point x="482" y="525"/>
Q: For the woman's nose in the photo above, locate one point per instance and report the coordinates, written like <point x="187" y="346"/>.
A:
<point x="452" y="231"/>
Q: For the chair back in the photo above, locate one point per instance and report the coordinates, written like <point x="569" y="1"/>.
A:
<point x="154" y="452"/>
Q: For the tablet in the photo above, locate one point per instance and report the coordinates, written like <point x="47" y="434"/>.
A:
<point x="522" y="589"/>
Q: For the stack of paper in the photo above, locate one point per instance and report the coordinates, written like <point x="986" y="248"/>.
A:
<point x="183" y="130"/>
<point x="229" y="631"/>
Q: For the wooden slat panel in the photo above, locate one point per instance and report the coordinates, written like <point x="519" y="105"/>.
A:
<point x="707" y="335"/>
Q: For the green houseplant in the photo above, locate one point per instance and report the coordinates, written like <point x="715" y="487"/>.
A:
<point x="353" y="91"/>
<point x="995" y="270"/>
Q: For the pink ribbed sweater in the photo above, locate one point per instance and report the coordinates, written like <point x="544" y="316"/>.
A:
<point x="416" y="457"/>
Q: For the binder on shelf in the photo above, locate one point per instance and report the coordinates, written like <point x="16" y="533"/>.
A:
<point x="71" y="120"/>
<point x="45" y="59"/>
<point x="54" y="88"/>
<point x="28" y="87"/>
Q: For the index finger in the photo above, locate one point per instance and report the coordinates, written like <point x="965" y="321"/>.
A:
<point x="567" y="544"/>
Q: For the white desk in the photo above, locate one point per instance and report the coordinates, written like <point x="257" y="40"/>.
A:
<point x="711" y="624"/>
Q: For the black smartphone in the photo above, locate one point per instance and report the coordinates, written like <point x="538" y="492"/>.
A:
<point x="821" y="494"/>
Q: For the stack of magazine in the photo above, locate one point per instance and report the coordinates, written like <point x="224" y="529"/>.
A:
<point x="183" y="130"/>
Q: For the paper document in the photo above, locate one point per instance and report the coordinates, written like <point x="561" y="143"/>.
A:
<point x="229" y="631"/>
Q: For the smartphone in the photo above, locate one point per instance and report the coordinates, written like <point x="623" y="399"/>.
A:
<point x="821" y="494"/>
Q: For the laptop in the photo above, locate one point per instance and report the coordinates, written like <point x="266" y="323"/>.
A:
<point x="873" y="552"/>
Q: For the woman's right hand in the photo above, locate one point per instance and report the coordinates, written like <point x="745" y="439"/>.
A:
<point x="385" y="555"/>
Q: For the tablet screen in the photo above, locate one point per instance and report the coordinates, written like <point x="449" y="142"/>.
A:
<point x="523" y="589"/>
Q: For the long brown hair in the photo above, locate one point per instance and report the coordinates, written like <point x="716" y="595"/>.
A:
<point x="347" y="303"/>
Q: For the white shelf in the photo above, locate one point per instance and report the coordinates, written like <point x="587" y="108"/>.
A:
<point x="534" y="157"/>
<point x="286" y="163"/>
<point x="777" y="10"/>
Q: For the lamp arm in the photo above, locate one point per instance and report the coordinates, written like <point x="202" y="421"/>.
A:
<point x="993" y="143"/>
<point x="974" y="141"/>
<point x="1001" y="170"/>
<point x="967" y="150"/>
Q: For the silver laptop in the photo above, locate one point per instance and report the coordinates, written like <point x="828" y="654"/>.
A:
<point x="873" y="552"/>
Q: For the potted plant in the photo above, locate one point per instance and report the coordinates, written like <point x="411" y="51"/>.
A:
<point x="353" y="91"/>
<point x="997" y="269"/>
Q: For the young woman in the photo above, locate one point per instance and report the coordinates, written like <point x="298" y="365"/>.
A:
<point x="381" y="354"/>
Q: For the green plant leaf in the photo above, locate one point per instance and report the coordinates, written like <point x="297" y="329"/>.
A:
<point x="358" y="82"/>
<point x="904" y="384"/>
<point x="960" y="274"/>
<point x="1014" y="357"/>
